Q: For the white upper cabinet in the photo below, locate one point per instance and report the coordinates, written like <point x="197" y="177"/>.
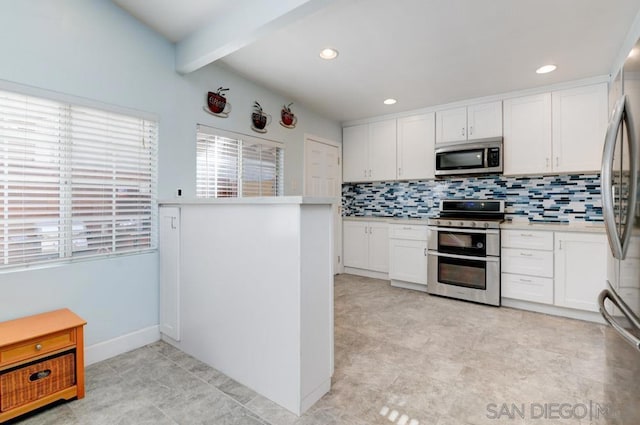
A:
<point x="556" y="132"/>
<point x="415" y="151"/>
<point x="579" y="127"/>
<point x="355" y="153"/>
<point x="469" y="123"/>
<point x="382" y="150"/>
<point x="369" y="152"/>
<point x="527" y="134"/>
<point x="451" y="125"/>
<point x="484" y="120"/>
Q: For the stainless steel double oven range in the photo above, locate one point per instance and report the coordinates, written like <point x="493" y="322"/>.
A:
<point x="464" y="250"/>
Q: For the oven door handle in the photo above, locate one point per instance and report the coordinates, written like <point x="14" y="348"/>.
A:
<point x="464" y="230"/>
<point x="465" y="257"/>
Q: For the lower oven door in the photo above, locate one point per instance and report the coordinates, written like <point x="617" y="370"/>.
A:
<point x="469" y="278"/>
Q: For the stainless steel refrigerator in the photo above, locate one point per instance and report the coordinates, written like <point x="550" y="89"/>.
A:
<point x="620" y="302"/>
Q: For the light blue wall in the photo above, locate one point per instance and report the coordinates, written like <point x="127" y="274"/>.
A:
<point x="92" y="49"/>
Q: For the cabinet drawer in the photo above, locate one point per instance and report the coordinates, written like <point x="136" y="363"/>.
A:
<point x="37" y="347"/>
<point x="527" y="239"/>
<point x="527" y="288"/>
<point x="34" y="381"/>
<point x="408" y="232"/>
<point x="527" y="262"/>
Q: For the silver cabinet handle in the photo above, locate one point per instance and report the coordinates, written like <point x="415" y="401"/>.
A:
<point x="38" y="347"/>
<point x="399" y="171"/>
<point x="406" y="228"/>
<point x="525" y="280"/>
<point x="425" y="252"/>
<point x="173" y="222"/>
<point x="547" y="162"/>
<point x="628" y="336"/>
<point x="557" y="161"/>
<point x="463" y="131"/>
<point x="560" y="245"/>
<point x="526" y="235"/>
<point x="471" y="130"/>
<point x="524" y="254"/>
<point x="365" y="173"/>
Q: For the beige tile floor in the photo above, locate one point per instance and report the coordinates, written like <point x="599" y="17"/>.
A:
<point x="401" y="358"/>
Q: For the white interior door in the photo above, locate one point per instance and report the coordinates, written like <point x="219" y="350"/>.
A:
<point x="323" y="179"/>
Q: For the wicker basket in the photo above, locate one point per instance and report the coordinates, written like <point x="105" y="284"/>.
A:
<point x="36" y="380"/>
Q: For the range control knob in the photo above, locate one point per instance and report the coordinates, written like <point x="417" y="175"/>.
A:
<point x="473" y="224"/>
<point x="486" y="225"/>
<point x="448" y="223"/>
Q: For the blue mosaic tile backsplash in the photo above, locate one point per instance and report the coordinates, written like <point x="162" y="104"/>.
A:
<point x="561" y="198"/>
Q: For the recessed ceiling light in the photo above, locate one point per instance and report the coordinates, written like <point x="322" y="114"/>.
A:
<point x="389" y="101"/>
<point x="546" y="69"/>
<point x="329" y="53"/>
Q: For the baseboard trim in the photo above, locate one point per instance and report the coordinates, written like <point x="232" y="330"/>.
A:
<point x="315" y="395"/>
<point x="408" y="285"/>
<point x="366" y="273"/>
<point x="587" y="316"/>
<point x="121" y="344"/>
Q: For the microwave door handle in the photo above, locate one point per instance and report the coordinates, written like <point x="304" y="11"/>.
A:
<point x="633" y="178"/>
<point x="630" y="338"/>
<point x="606" y="184"/>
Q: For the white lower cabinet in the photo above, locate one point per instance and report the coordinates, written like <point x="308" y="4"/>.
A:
<point x="366" y="245"/>
<point x="527" y="265"/>
<point x="580" y="269"/>
<point x="564" y="269"/>
<point x="408" y="256"/>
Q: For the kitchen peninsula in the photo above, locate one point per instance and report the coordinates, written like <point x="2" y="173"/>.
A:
<point x="247" y="287"/>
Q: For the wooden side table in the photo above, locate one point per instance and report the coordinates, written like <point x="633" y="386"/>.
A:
<point x="41" y="361"/>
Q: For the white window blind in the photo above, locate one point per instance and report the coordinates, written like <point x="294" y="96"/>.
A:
<point x="233" y="165"/>
<point x="74" y="181"/>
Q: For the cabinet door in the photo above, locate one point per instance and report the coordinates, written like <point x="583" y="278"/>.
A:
<point x="451" y="125"/>
<point x="382" y="150"/>
<point x="527" y="134"/>
<point x="416" y="140"/>
<point x="579" y="127"/>
<point x="379" y="247"/>
<point x="169" y="252"/>
<point x="408" y="261"/>
<point x="355" y="244"/>
<point x="580" y="269"/>
<point x="484" y="120"/>
<point x="355" y="153"/>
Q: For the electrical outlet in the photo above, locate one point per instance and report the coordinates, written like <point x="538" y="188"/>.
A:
<point x="179" y="193"/>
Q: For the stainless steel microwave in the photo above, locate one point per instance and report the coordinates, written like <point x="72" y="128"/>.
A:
<point x="469" y="157"/>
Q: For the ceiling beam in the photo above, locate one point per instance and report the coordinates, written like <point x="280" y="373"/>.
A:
<point x="245" y="23"/>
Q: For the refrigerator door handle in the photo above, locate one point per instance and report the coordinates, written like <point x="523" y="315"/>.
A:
<point x="630" y="338"/>
<point x="606" y="185"/>
<point x="633" y="178"/>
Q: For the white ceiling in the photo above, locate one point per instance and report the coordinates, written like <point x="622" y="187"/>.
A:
<point x="421" y="52"/>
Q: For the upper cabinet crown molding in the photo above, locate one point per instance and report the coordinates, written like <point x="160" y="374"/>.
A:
<point x="473" y="122"/>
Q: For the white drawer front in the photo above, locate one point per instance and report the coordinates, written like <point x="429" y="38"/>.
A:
<point x="527" y="262"/>
<point x="527" y="239"/>
<point x="408" y="232"/>
<point x="527" y="288"/>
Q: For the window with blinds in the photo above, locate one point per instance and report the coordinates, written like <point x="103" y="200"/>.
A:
<point x="74" y="181"/>
<point x="231" y="165"/>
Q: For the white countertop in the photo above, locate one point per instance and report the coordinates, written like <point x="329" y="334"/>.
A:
<point x="574" y="226"/>
<point x="391" y="220"/>
<point x="266" y="200"/>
